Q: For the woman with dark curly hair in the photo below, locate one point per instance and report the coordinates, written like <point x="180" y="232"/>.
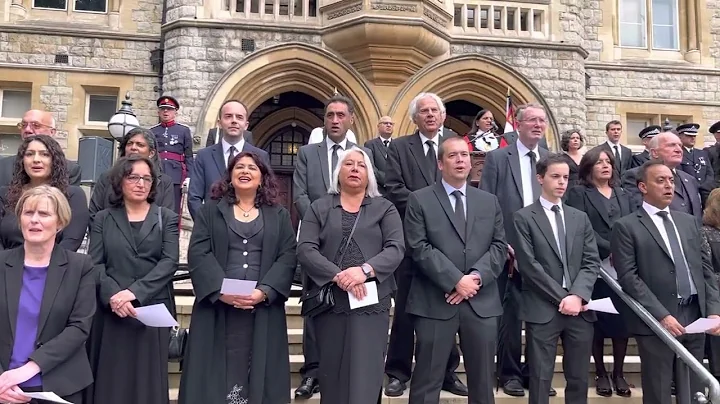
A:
<point x="571" y="143"/>
<point x="134" y="245"/>
<point x="41" y="161"/>
<point x="244" y="235"/>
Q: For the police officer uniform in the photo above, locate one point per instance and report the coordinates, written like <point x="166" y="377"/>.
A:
<point x="174" y="143"/>
<point x="696" y="162"/>
<point x="649" y="132"/>
<point x="714" y="153"/>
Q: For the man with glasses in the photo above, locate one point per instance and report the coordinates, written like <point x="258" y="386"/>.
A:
<point x="35" y="122"/>
<point x="379" y="147"/>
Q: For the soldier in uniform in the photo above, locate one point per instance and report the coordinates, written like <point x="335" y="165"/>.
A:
<point x="696" y="162"/>
<point x="174" y="143"/>
<point x="645" y="135"/>
<point x="714" y="152"/>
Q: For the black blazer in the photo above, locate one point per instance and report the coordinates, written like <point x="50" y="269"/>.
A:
<point x="145" y="268"/>
<point x="626" y="156"/>
<point x="378" y="234"/>
<point x="379" y="153"/>
<point x="646" y="270"/>
<point x="629" y="183"/>
<point x="541" y="267"/>
<point x="443" y="252"/>
<point x="714" y="156"/>
<point x="70" y="238"/>
<point x="7" y="168"/>
<point x="640" y="159"/>
<point x="589" y="200"/>
<point x="66" y="314"/>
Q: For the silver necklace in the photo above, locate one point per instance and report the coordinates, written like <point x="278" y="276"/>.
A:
<point x="246" y="213"/>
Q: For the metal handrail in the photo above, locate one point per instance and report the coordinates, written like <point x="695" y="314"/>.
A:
<point x="682" y="353"/>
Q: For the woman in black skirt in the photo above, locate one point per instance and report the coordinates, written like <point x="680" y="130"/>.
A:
<point x="604" y="202"/>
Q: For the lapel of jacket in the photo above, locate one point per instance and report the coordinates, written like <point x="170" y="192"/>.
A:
<point x="680" y="183"/>
<point x="221" y="243"/>
<point x="572" y="222"/>
<point x="13" y="284"/>
<point x="217" y="154"/>
<point x="650" y="226"/>
<point x="119" y="215"/>
<point x="322" y="152"/>
<point x="55" y="275"/>
<point x="418" y="151"/>
<point x="514" y="160"/>
<point x="623" y="201"/>
<point x="596" y="200"/>
<point x="543" y="223"/>
<point x="683" y="234"/>
<point x="470" y="203"/>
<point x="270" y="237"/>
<point x="444" y="200"/>
<point x="687" y="157"/>
<point x="151" y="220"/>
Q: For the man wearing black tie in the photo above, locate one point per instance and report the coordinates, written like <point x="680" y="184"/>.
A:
<point x="558" y="255"/>
<point x="379" y="146"/>
<point x="412" y="165"/>
<point x="656" y="252"/>
<point x="623" y="155"/>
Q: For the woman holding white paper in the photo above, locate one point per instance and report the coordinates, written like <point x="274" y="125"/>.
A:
<point x="237" y="350"/>
<point x="46" y="305"/>
<point x="134" y="245"/>
<point x="353" y="240"/>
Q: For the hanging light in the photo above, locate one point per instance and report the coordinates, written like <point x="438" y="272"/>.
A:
<point x="123" y="121"/>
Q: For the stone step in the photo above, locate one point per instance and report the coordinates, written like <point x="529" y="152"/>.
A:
<point x="500" y="398"/>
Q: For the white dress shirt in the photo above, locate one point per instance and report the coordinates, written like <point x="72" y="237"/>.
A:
<point x="547" y="207"/>
<point x="330" y="145"/>
<point x="226" y="149"/>
<point x="449" y="189"/>
<point x="653" y="212"/>
<point x="383" y="140"/>
<point x="436" y="142"/>
<point x="526" y="172"/>
<point x="612" y="147"/>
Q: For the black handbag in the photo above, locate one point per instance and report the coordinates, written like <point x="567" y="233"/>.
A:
<point x="178" y="339"/>
<point x="320" y="300"/>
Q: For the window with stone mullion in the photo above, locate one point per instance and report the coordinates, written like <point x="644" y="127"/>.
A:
<point x="98" y="6"/>
<point x="656" y="19"/>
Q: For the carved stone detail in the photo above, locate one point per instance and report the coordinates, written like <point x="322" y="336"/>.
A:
<point x="394" y="7"/>
<point x="436" y="18"/>
<point x="345" y="11"/>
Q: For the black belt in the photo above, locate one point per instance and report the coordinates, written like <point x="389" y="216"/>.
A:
<point x="684" y="301"/>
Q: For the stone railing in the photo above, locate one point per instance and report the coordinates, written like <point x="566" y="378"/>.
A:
<point x="490" y="18"/>
<point x="296" y="11"/>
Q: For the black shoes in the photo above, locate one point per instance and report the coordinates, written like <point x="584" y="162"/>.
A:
<point x="308" y="387"/>
<point x="455" y="386"/>
<point x="622" y="388"/>
<point x="513" y="388"/>
<point x="394" y="388"/>
<point x="603" y="386"/>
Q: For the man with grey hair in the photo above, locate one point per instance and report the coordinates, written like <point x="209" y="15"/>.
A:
<point x="667" y="148"/>
<point x="35" y="122"/>
<point x="412" y="165"/>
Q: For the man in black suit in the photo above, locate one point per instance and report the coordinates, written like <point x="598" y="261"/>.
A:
<point x="412" y="165"/>
<point x="645" y="135"/>
<point x="623" y="155"/>
<point x="211" y="162"/>
<point x="667" y="147"/>
<point x="696" y="162"/>
<point x="714" y="152"/>
<point x="559" y="260"/>
<point x="379" y="146"/>
<point x="311" y="180"/>
<point x="656" y="252"/>
<point x="457" y="241"/>
<point x="509" y="174"/>
<point x="35" y="122"/>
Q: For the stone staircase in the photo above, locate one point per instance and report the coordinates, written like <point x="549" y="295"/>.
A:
<point x="295" y="321"/>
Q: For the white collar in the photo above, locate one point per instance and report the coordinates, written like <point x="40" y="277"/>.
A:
<point x="523" y="150"/>
<point x="612" y="145"/>
<point x="450" y="189"/>
<point x="238" y="146"/>
<point x="330" y="143"/>
<point x="549" y="205"/>
<point x="652" y="210"/>
<point x="435" y="140"/>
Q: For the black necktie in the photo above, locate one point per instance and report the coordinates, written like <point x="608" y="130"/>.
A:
<point x="562" y="243"/>
<point x="459" y="209"/>
<point x="335" y="149"/>
<point x="533" y="175"/>
<point x="386" y="143"/>
<point x="231" y="154"/>
<point x="682" y="274"/>
<point x="618" y="162"/>
<point x="431" y="156"/>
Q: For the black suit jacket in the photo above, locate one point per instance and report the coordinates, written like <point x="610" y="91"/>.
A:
<point x="444" y="252"/>
<point x="714" y="156"/>
<point x="145" y="268"/>
<point x="378" y="234"/>
<point x="589" y="200"/>
<point x="640" y="159"/>
<point x="541" y="266"/>
<point x="646" y="270"/>
<point x="629" y="181"/>
<point x="7" y="168"/>
<point x="66" y="314"/>
<point x="380" y="154"/>
<point x="501" y="176"/>
<point x="626" y="156"/>
<point x="698" y="166"/>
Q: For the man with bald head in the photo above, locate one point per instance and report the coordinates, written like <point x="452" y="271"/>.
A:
<point x="667" y="148"/>
<point x="379" y="147"/>
<point x="35" y="122"/>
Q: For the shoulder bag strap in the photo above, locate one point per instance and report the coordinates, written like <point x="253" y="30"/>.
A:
<point x="352" y="231"/>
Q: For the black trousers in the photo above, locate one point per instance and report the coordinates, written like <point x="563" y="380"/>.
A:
<point x="509" y="347"/>
<point x="401" y="348"/>
<point x="656" y="363"/>
<point x="177" y="188"/>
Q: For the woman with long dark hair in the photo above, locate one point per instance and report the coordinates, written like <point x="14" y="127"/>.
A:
<point x="483" y="133"/>
<point x="239" y="353"/>
<point x="41" y="161"/>
<point x="571" y="143"/>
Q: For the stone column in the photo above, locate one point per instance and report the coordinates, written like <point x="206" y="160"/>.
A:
<point x="693" y="53"/>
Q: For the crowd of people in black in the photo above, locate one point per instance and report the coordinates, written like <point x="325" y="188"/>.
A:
<point x="396" y="220"/>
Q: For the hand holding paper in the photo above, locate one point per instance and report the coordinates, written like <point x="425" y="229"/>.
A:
<point x="236" y="287"/>
<point x="156" y="315"/>
<point x="603" y="305"/>
<point x="370" y="298"/>
<point x="702" y="325"/>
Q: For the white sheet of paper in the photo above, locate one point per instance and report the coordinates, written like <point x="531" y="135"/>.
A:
<point x="237" y="287"/>
<point x="702" y="325"/>
<point x="156" y="315"/>
<point x="47" y="396"/>
<point x="370" y="298"/>
<point x="604" y="305"/>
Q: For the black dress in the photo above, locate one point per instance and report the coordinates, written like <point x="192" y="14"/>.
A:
<point x="574" y="178"/>
<point x="353" y="343"/>
<point x="610" y="325"/>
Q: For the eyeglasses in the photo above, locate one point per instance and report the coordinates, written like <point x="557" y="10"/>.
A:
<point x="134" y="179"/>
<point x="536" y="120"/>
<point x="34" y="125"/>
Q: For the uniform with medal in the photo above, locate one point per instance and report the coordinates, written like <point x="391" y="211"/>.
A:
<point x="696" y="162"/>
<point x="174" y="142"/>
